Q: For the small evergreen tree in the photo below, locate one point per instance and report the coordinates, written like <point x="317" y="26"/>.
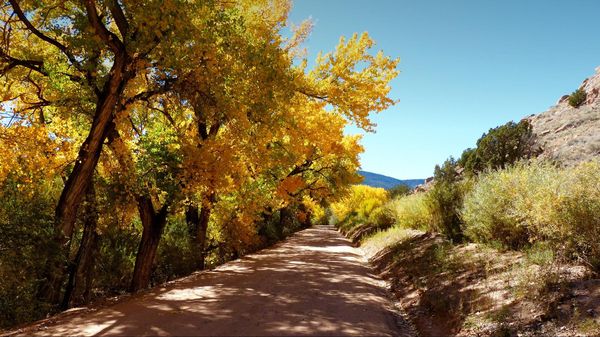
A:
<point x="577" y="98"/>
<point x="399" y="191"/>
<point x="500" y="147"/>
<point x="444" y="200"/>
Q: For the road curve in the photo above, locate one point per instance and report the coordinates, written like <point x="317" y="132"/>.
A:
<point x="314" y="283"/>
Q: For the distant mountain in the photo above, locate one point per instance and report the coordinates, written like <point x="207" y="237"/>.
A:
<point x="379" y="180"/>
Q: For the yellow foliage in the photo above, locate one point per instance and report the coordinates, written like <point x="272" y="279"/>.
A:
<point x="411" y="211"/>
<point x="30" y="153"/>
<point x="355" y="82"/>
<point x="359" y="203"/>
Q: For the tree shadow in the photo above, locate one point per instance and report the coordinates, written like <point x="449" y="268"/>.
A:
<point x="314" y="283"/>
<point x="433" y="287"/>
<point x="440" y="289"/>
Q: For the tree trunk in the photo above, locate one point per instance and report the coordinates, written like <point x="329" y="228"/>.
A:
<point x="198" y="226"/>
<point x="285" y="216"/>
<point x="153" y="224"/>
<point x="81" y="275"/>
<point x="79" y="179"/>
<point x="192" y="218"/>
<point x="89" y="152"/>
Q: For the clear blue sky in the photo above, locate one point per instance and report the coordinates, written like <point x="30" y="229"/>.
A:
<point x="466" y="66"/>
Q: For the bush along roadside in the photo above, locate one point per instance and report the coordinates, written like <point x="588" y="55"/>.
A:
<point x="508" y="251"/>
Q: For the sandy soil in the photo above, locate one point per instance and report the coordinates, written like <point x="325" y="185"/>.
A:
<point x="314" y="283"/>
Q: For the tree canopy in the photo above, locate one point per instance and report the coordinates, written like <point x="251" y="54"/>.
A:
<point x="133" y="130"/>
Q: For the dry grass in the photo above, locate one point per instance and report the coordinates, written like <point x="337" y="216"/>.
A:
<point x="385" y="238"/>
<point x="472" y="289"/>
<point x="570" y="135"/>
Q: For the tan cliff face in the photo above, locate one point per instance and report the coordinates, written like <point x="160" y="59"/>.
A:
<point x="571" y="135"/>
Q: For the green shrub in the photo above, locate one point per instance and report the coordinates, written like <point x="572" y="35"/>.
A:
<point x="118" y="247"/>
<point x="381" y="217"/>
<point x="445" y="199"/>
<point x="411" y="211"/>
<point x="512" y="206"/>
<point x="175" y="256"/>
<point x="579" y="213"/>
<point x="533" y="202"/>
<point x="399" y="191"/>
<point x="499" y="148"/>
<point x="577" y="98"/>
<point x="26" y="245"/>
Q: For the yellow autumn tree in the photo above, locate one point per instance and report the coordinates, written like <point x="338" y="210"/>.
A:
<point x="156" y="118"/>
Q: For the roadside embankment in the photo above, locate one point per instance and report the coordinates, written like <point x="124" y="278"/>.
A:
<point x="476" y="290"/>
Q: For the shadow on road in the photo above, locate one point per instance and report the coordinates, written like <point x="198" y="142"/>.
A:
<point x="314" y="283"/>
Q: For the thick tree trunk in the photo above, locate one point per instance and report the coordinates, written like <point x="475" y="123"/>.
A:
<point x="192" y="218"/>
<point x="198" y="226"/>
<point x="89" y="152"/>
<point x="153" y="224"/>
<point x="81" y="275"/>
<point x="79" y="179"/>
<point x="285" y="218"/>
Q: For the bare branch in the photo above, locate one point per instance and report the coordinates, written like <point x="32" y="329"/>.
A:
<point x="17" y="9"/>
<point x="165" y="113"/>
<point x="117" y="12"/>
<point x="13" y="62"/>
<point x="313" y="95"/>
<point x="146" y="95"/>
<point x="106" y="35"/>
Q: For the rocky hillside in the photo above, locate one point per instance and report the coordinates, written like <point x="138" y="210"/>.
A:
<point x="567" y="134"/>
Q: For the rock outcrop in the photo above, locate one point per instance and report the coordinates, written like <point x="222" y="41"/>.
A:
<point x="570" y="135"/>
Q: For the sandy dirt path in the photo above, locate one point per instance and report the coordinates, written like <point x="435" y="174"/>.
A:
<point x="314" y="283"/>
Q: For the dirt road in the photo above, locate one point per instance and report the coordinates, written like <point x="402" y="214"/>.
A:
<point x="314" y="283"/>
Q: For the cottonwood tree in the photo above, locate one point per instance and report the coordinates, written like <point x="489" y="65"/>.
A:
<point x="193" y="108"/>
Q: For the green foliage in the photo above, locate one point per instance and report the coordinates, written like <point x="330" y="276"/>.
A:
<point x="160" y="160"/>
<point x="578" y="213"/>
<point x="533" y="202"/>
<point x="382" y="217"/>
<point x="411" y="211"/>
<point x="26" y="229"/>
<point x="512" y="206"/>
<point x="399" y="190"/>
<point x="444" y="200"/>
<point x="499" y="147"/>
<point x="577" y="98"/>
<point x="116" y="258"/>
<point x="175" y="257"/>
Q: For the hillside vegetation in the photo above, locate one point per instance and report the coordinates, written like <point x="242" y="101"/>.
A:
<point x="502" y="241"/>
<point x="570" y="133"/>
<point x="519" y="254"/>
